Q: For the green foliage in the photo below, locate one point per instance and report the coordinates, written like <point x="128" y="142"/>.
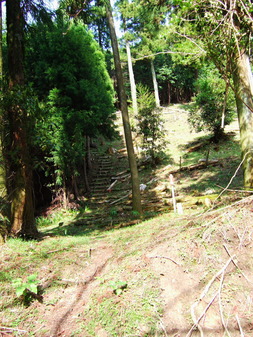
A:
<point x="25" y="289"/>
<point x="176" y="79"/>
<point x="206" y="113"/>
<point x="19" y="107"/>
<point x="113" y="212"/>
<point x="68" y="71"/>
<point x="118" y="287"/>
<point x="149" y="124"/>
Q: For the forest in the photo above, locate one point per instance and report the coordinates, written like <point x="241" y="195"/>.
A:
<point x="124" y="114"/>
<point x="59" y="85"/>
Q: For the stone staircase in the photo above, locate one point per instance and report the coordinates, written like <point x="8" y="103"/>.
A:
<point x="102" y="180"/>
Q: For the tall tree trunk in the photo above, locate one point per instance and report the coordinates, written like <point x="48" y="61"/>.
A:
<point x="1" y="47"/>
<point x="85" y="175"/>
<point x="169" y="93"/>
<point x="2" y="169"/>
<point x="136" y="201"/>
<point x="157" y="100"/>
<point x="132" y="80"/>
<point x="18" y="156"/>
<point x="88" y="154"/>
<point x="243" y="85"/>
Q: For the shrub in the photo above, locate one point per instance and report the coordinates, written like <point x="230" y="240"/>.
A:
<point x="206" y="113"/>
<point x="150" y="124"/>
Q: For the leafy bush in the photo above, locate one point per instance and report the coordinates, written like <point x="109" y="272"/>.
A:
<point x="206" y="113"/>
<point x="150" y="124"/>
<point x="76" y="96"/>
<point x="27" y="291"/>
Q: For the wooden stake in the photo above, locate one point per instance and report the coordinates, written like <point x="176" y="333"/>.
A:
<point x="173" y="193"/>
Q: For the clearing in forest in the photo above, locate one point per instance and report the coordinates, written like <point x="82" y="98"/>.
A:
<point x="100" y="273"/>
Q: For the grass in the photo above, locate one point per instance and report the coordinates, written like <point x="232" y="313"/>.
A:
<point x="138" y="309"/>
<point x="117" y="315"/>
<point x="68" y="252"/>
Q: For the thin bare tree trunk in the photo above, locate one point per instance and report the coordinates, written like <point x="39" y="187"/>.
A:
<point x="224" y="107"/>
<point x="132" y="80"/>
<point x="86" y="182"/>
<point x="64" y="195"/>
<point x="88" y="154"/>
<point x="136" y="197"/>
<point x="157" y="99"/>
<point x="169" y="93"/>
<point x="243" y="84"/>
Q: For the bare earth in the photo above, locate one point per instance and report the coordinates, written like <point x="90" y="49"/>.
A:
<point x="200" y="267"/>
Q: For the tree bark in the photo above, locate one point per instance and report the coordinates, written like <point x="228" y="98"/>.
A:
<point x="17" y="153"/>
<point x="2" y="169"/>
<point x="169" y="93"/>
<point x="88" y="154"/>
<point x="243" y="85"/>
<point x="136" y="198"/>
<point x="85" y="175"/>
<point x="132" y="80"/>
<point x="1" y="47"/>
<point x="157" y="99"/>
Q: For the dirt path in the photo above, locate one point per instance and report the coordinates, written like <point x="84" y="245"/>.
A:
<point x="167" y="264"/>
<point x="76" y="293"/>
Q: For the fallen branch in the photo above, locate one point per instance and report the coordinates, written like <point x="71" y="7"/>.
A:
<point x="222" y="270"/>
<point x="199" y="166"/>
<point x="203" y="294"/>
<point x="65" y="281"/>
<point x="111" y="186"/>
<point x="239" y="325"/>
<point x="234" y="175"/>
<point x="116" y="201"/>
<point x="163" y="328"/>
<point x="235" y="264"/>
<point x="196" y="147"/>
<point x="232" y="190"/>
<point x="164" y="257"/>
<point x="196" y="321"/>
<point x="12" y="329"/>
<point x="56" y="250"/>
<point x="120" y="177"/>
<point x="212" y="210"/>
<point x="220" y="306"/>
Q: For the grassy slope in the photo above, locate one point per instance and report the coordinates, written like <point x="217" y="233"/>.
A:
<point x="93" y="263"/>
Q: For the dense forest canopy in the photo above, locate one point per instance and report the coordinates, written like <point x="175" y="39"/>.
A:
<point x="59" y="88"/>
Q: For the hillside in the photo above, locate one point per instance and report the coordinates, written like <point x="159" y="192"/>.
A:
<point x="102" y="272"/>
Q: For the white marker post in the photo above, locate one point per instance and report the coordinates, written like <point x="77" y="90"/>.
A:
<point x="173" y="193"/>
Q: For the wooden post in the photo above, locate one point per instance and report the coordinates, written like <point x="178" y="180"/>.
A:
<point x="173" y="193"/>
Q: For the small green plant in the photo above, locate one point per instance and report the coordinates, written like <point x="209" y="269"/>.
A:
<point x="28" y="290"/>
<point x="113" y="212"/>
<point x="118" y="287"/>
<point x="136" y="214"/>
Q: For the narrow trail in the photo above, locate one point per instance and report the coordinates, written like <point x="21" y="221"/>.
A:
<point x="62" y="318"/>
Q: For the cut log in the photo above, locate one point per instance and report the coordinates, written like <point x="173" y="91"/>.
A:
<point x="199" y="166"/>
<point x="121" y="177"/>
<point x="111" y="186"/>
<point x="196" y="147"/>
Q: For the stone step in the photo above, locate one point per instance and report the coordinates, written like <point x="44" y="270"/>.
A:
<point x="99" y="188"/>
<point x="100" y="184"/>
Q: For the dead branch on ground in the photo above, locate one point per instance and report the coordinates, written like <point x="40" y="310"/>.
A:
<point x="203" y="294"/>
<point x="165" y="257"/>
